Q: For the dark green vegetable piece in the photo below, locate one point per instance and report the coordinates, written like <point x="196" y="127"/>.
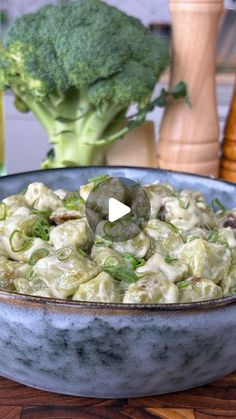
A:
<point x="41" y="228"/>
<point x="170" y="259"/>
<point x="38" y="254"/>
<point x="19" y="241"/>
<point x="213" y="236"/>
<point x="64" y="253"/>
<point x="3" y="211"/>
<point x="73" y="201"/>
<point x="133" y="262"/>
<point x="121" y="273"/>
<point x="216" y="204"/>
<point x="45" y="214"/>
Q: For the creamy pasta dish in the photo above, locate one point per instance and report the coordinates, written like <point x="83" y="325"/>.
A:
<point x="185" y="252"/>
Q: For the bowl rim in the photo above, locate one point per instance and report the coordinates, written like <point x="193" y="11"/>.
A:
<point x="125" y="308"/>
<point x="121" y="307"/>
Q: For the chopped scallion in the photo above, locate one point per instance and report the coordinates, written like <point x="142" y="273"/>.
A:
<point x="41" y="228"/>
<point x="182" y="284"/>
<point x="64" y="253"/>
<point x="170" y="259"/>
<point x="73" y="201"/>
<point x="184" y="204"/>
<point x="45" y="214"/>
<point x="96" y="180"/>
<point x="191" y="238"/>
<point x="213" y="236"/>
<point x="38" y="254"/>
<point x="111" y="261"/>
<point x="3" y="211"/>
<point x="173" y="227"/>
<point x="19" y="241"/>
<point x="215" y="203"/>
<point x="134" y="263"/>
<point x="82" y="252"/>
<point x="121" y="273"/>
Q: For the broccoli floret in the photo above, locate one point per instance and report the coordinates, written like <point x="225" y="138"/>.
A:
<point x="78" y="67"/>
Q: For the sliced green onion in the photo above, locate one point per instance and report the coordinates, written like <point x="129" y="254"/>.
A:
<point x="41" y="228"/>
<point x="134" y="263"/>
<point x="174" y="228"/>
<point x="191" y="238"/>
<point x="82" y="253"/>
<point x="223" y="242"/>
<point x="182" y="284"/>
<point x="38" y="254"/>
<point x="99" y="242"/>
<point x="121" y="273"/>
<point x="96" y="180"/>
<point x="19" y="241"/>
<point x="184" y="204"/>
<point x="215" y="203"/>
<point x="73" y="201"/>
<point x="170" y="259"/>
<point x="45" y="214"/>
<point x="102" y="242"/>
<point x="64" y="253"/>
<point x="213" y="236"/>
<point x="3" y="211"/>
<point x="111" y="261"/>
<point x="29" y="273"/>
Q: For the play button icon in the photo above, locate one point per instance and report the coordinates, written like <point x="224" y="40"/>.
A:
<point x="117" y="208"/>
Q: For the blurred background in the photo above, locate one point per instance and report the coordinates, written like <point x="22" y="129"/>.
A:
<point x="26" y="142"/>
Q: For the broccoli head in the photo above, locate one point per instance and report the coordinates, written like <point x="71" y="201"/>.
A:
<point x="78" y="67"/>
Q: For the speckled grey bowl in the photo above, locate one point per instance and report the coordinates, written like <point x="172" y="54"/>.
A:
<point x="114" y="350"/>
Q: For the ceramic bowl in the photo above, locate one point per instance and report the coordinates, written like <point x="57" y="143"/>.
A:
<point x="115" y="350"/>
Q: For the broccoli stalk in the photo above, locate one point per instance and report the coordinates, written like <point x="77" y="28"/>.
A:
<point x="78" y="68"/>
<point x="71" y="121"/>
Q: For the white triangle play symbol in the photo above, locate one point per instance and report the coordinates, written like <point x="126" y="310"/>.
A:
<point x="116" y="210"/>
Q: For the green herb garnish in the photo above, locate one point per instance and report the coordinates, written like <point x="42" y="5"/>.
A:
<point x="173" y="227"/>
<point x="111" y="261"/>
<point x="184" y="204"/>
<point x="121" y="273"/>
<point x="96" y="180"/>
<point x="191" y="238"/>
<point x="215" y="203"/>
<point x="82" y="253"/>
<point x="19" y="241"/>
<point x="64" y="253"/>
<point x="38" y="254"/>
<point x="133" y="262"/>
<point x="182" y="284"/>
<point x="45" y="213"/>
<point x="3" y="211"/>
<point x="41" y="228"/>
<point x="73" y="201"/>
<point x="213" y="236"/>
<point x="170" y="259"/>
<point x="102" y="241"/>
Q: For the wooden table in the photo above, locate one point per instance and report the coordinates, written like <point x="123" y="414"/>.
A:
<point x="216" y="400"/>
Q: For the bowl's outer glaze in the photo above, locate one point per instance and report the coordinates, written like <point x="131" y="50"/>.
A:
<point x="101" y="350"/>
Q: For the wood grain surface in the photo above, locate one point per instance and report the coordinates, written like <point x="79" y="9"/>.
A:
<point x="228" y="161"/>
<point x="188" y="138"/>
<point x="215" y="400"/>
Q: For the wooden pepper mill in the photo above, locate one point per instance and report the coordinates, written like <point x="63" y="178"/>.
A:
<point x="228" y="161"/>
<point x="189" y="136"/>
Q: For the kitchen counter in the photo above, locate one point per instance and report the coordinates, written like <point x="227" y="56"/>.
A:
<point x="215" y="400"/>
